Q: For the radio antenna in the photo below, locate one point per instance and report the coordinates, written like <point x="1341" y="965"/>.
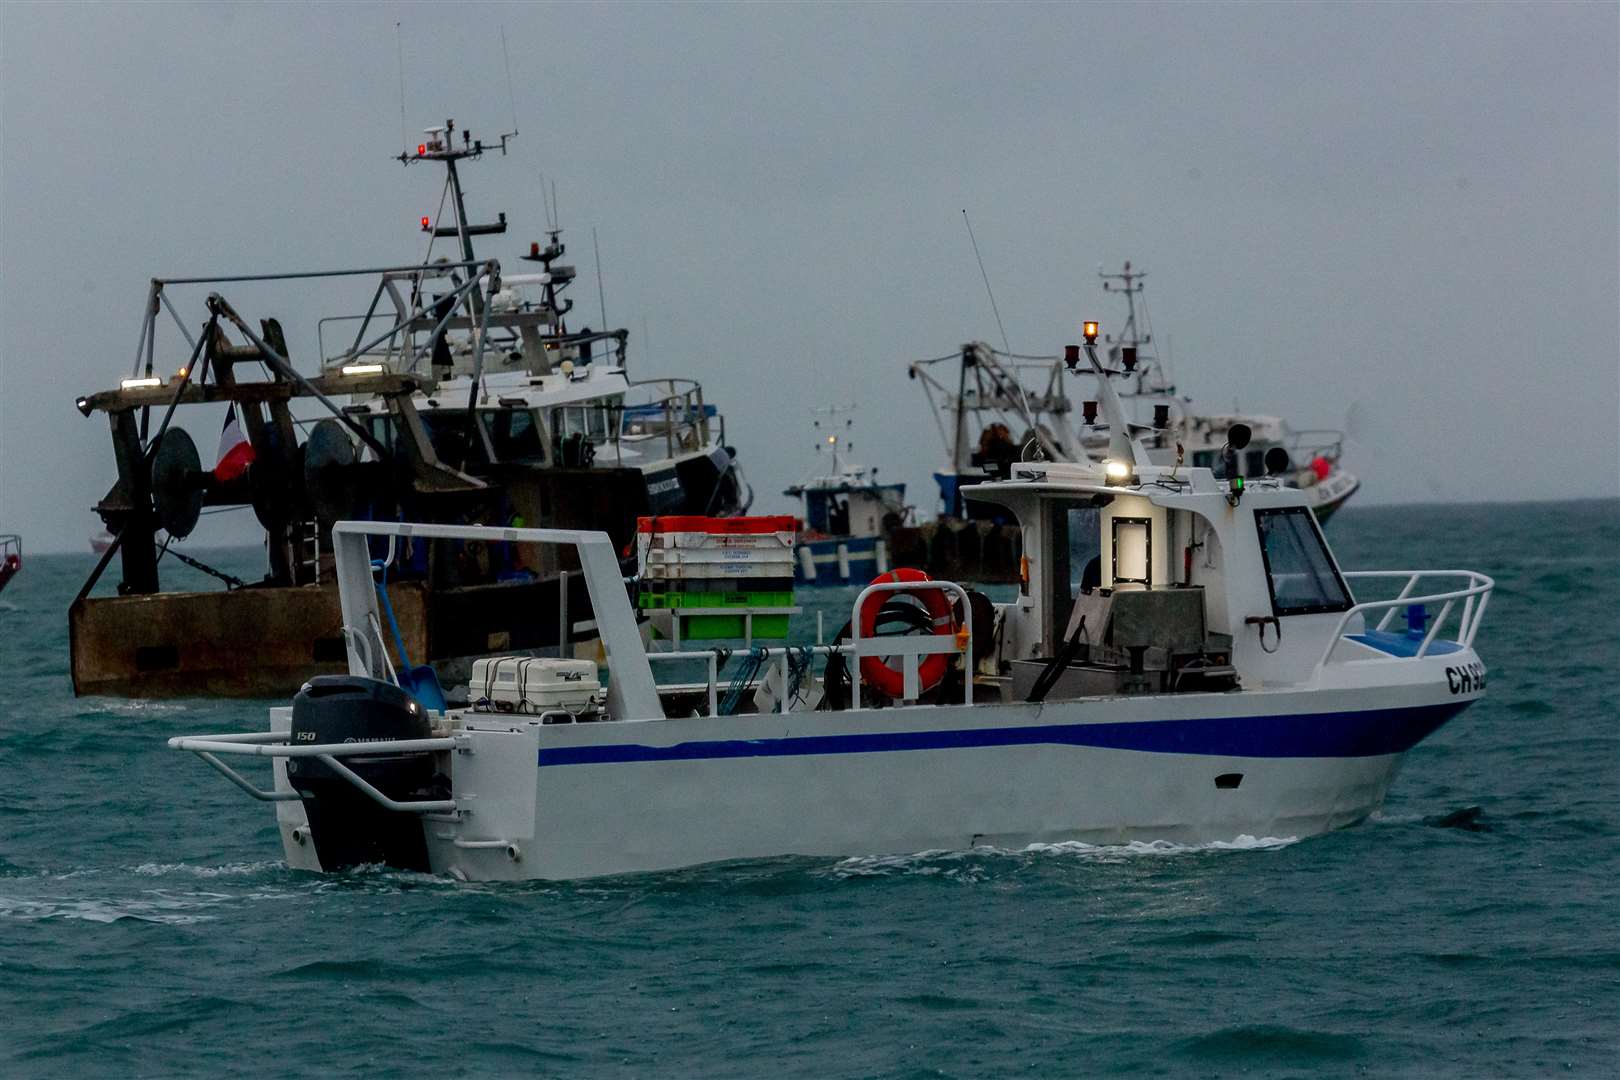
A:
<point x="509" y="95"/>
<point x="399" y="44"/>
<point x="988" y="291"/>
<point x="601" y="297"/>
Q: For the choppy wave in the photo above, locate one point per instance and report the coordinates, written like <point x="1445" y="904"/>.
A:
<point x="244" y="869"/>
<point x="154" y="906"/>
<point x="944" y="861"/>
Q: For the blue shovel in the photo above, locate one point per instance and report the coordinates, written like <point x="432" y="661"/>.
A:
<point x="421" y="682"/>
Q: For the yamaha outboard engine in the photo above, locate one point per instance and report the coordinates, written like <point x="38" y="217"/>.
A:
<point x="349" y="827"/>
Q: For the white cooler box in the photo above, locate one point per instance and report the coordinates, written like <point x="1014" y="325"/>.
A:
<point x="527" y="684"/>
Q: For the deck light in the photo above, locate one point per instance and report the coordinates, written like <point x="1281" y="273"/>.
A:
<point x="141" y="384"/>
<point x="363" y="369"/>
<point x="1116" y="470"/>
<point x="1090" y="332"/>
<point x="425" y="223"/>
<point x="181" y="373"/>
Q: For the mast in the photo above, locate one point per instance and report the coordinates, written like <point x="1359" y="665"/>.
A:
<point x="1124" y="347"/>
<point x="440" y="145"/>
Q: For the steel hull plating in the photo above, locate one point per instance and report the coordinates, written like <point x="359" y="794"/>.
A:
<point x="625" y="797"/>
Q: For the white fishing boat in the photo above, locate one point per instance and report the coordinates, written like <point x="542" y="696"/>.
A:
<point x="1172" y="425"/>
<point x="1002" y="407"/>
<point x="1184" y="661"/>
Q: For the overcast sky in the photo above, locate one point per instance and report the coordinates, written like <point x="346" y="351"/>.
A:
<point x="1410" y="213"/>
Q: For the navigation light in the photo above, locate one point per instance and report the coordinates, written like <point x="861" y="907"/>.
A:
<point x="1090" y="331"/>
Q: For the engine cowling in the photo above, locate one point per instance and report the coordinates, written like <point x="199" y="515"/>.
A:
<point x="347" y="826"/>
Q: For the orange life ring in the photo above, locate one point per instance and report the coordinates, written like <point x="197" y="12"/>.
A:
<point x="931" y="669"/>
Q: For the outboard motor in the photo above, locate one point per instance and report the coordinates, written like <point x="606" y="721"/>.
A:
<point x="348" y="827"/>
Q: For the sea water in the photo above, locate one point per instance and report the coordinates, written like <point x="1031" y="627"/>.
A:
<point x="148" y="926"/>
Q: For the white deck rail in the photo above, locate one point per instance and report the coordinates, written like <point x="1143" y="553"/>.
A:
<point x="276" y="744"/>
<point x="1473" y="595"/>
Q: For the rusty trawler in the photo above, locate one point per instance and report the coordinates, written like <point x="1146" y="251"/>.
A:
<point x="464" y="397"/>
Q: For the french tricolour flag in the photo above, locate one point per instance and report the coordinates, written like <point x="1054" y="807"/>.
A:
<point x="235" y="452"/>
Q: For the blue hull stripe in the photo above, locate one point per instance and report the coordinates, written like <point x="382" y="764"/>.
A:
<point x="1318" y="735"/>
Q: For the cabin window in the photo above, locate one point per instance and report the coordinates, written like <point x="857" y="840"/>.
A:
<point x="1301" y="575"/>
<point x="569" y="420"/>
<point x="515" y="434"/>
<point x="453" y="441"/>
<point x="1083" y="544"/>
<point x="1133" y="551"/>
<point x="1075" y="557"/>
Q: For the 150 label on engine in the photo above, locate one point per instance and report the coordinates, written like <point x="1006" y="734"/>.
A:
<point x="1468" y="679"/>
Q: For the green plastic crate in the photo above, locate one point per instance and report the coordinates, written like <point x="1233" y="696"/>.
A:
<point x="716" y="599"/>
<point x="722" y="627"/>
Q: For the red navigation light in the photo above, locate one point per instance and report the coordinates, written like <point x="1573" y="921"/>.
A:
<point x="421" y="148"/>
<point x="425" y="223"/>
<point x="1071" y="355"/>
<point x="534" y="249"/>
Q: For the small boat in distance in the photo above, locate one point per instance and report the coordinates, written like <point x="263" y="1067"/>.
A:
<point x="10" y="558"/>
<point x="845" y="511"/>
<point x="1184" y="661"/>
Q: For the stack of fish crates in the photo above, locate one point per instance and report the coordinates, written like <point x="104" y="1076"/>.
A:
<point x="718" y="578"/>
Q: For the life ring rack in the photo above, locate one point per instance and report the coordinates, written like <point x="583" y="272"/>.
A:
<point x="932" y="666"/>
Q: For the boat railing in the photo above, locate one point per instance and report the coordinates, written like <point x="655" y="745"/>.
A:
<point x="782" y="657"/>
<point x="1315" y="442"/>
<point x="669" y="408"/>
<point x="631" y="692"/>
<point x="1472" y="595"/>
<point x="910" y="649"/>
<point x="277" y="744"/>
<point x="10" y="547"/>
